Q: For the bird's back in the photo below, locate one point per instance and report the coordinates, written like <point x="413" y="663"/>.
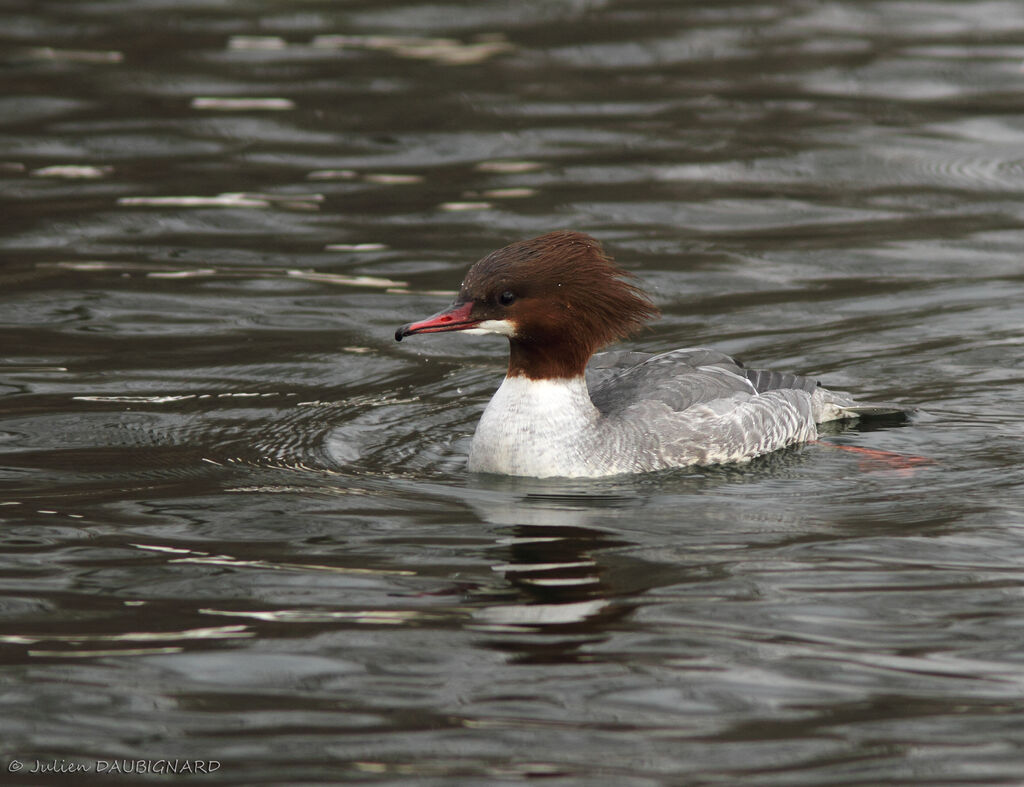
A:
<point x="680" y="379"/>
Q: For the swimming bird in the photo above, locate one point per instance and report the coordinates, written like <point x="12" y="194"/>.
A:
<point x="564" y="411"/>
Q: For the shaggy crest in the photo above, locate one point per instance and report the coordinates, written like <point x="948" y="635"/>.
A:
<point x="570" y="300"/>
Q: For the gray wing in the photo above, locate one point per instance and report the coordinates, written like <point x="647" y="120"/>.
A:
<point x="678" y="379"/>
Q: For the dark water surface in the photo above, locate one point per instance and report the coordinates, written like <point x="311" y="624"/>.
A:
<point x="236" y="524"/>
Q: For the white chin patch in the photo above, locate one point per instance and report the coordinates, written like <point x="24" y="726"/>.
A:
<point x="503" y="327"/>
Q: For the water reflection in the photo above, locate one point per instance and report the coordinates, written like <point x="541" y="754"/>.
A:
<point x="565" y="598"/>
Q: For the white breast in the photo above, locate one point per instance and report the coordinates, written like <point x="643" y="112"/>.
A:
<point x="534" y="427"/>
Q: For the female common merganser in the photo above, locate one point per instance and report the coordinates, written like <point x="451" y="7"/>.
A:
<point x="558" y="298"/>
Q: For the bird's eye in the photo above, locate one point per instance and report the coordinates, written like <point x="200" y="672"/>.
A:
<point x="507" y="298"/>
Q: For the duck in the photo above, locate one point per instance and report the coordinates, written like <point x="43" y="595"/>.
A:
<point x="566" y="410"/>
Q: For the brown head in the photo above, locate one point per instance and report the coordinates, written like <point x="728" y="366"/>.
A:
<point x="558" y="298"/>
